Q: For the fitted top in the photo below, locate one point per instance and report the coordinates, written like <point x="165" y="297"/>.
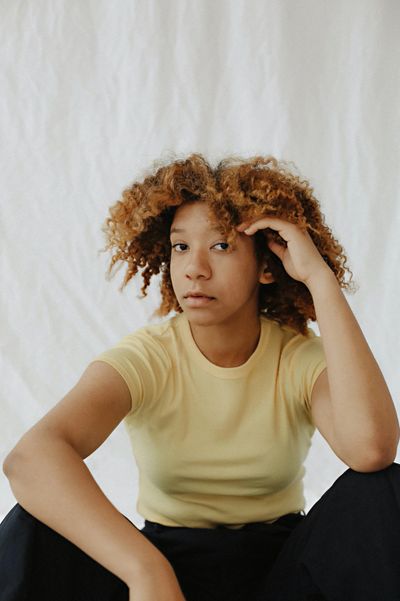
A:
<point x="218" y="445"/>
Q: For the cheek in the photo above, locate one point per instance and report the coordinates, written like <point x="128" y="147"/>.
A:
<point x="242" y="278"/>
<point x="172" y="273"/>
<point x="247" y="268"/>
<point x="174" y="276"/>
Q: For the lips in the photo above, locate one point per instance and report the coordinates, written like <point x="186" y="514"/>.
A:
<point x="197" y="295"/>
<point x="198" y="301"/>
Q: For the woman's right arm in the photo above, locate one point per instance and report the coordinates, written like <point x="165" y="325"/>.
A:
<point x="50" y="480"/>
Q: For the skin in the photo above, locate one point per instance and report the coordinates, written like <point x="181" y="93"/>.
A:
<point x="199" y="260"/>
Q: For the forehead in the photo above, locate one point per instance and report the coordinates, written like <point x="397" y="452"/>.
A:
<point x="193" y="215"/>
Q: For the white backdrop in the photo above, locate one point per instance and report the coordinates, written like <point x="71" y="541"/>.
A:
<point x="92" y="92"/>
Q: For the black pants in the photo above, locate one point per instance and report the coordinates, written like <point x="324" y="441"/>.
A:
<point x="347" y="548"/>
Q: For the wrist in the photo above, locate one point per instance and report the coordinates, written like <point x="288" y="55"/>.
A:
<point x="155" y="578"/>
<point x="149" y="566"/>
<point x="321" y="279"/>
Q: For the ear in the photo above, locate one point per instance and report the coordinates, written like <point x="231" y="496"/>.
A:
<point x="265" y="276"/>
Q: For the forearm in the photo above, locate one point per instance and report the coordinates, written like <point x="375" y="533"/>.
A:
<point x="52" y="482"/>
<point x="364" y="415"/>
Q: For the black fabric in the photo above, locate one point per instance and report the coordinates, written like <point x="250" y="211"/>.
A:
<point x="38" y="564"/>
<point x="349" y="544"/>
<point x="221" y="563"/>
<point x="347" y="548"/>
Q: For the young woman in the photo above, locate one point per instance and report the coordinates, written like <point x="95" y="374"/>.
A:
<point x="220" y="402"/>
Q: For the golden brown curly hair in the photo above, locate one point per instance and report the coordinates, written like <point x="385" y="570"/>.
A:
<point x="235" y="190"/>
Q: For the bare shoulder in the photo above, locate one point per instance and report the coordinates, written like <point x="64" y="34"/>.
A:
<point x="88" y="413"/>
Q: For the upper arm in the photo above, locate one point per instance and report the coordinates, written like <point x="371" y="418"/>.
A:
<point x="321" y="407"/>
<point x="323" y="418"/>
<point x="88" y="413"/>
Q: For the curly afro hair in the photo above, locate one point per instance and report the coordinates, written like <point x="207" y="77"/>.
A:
<point x="235" y="190"/>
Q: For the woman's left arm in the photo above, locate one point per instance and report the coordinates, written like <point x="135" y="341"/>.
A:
<point x="351" y="404"/>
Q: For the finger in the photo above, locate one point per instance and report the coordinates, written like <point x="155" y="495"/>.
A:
<point x="246" y="224"/>
<point x="276" y="248"/>
<point x="274" y="223"/>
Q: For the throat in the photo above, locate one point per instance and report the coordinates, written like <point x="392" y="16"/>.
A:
<point x="227" y="347"/>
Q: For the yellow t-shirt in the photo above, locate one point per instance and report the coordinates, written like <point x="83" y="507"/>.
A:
<point x="218" y="445"/>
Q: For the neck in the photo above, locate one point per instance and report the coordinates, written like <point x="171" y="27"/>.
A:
<point x="228" y="344"/>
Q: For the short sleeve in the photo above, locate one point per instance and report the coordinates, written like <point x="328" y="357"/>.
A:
<point x="304" y="362"/>
<point x="143" y="363"/>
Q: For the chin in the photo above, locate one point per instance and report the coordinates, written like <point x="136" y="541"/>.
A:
<point x="200" y="317"/>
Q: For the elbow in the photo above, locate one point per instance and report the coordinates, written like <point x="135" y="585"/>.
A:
<point x="12" y="463"/>
<point x="20" y="449"/>
<point x="375" y="460"/>
<point x="9" y="464"/>
<point x="19" y="455"/>
<point x="376" y="454"/>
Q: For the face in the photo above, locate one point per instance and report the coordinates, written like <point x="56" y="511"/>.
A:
<point x="200" y="263"/>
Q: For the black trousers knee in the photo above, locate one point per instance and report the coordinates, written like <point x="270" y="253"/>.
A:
<point x="347" y="548"/>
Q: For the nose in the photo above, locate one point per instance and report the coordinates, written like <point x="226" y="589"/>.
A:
<point x="197" y="266"/>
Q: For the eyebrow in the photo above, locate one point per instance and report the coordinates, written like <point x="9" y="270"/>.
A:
<point x="180" y="230"/>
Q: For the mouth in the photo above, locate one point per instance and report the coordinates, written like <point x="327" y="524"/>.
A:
<point x="198" y="296"/>
<point x="198" y="301"/>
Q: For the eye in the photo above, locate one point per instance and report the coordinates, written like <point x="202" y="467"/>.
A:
<point x="226" y="244"/>
<point x="178" y="244"/>
<point x="182" y="244"/>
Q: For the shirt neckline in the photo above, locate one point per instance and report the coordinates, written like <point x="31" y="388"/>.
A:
<point x="239" y="371"/>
